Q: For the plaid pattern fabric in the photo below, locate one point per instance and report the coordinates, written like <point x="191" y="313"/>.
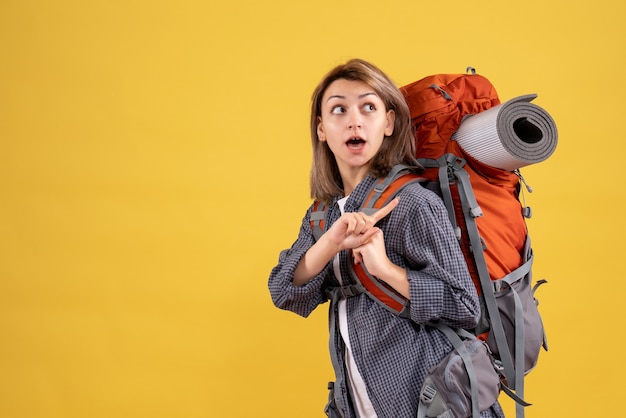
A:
<point x="393" y="354"/>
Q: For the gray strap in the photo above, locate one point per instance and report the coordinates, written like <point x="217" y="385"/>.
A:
<point x="519" y="352"/>
<point x="519" y="272"/>
<point x="515" y="275"/>
<point x="421" y="410"/>
<point x="508" y="280"/>
<point x="339" y="376"/>
<point x="537" y="284"/>
<point x="490" y="301"/>
<point x="343" y="292"/>
<point x="446" y="193"/>
<point x="534" y="289"/>
<point x="450" y="168"/>
<point x="513" y="396"/>
<point x="528" y="254"/>
<point x="519" y="332"/>
<point x="514" y="373"/>
<point x="472" y="205"/>
<point x="380" y="187"/>
<point x="335" y="294"/>
<point x="317" y="216"/>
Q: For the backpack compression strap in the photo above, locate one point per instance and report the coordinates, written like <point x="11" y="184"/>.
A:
<point x="451" y="166"/>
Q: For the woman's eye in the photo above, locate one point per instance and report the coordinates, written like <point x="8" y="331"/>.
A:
<point x="337" y="110"/>
<point x="369" y="107"/>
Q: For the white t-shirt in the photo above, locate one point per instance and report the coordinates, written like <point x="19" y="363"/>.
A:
<point x="362" y="403"/>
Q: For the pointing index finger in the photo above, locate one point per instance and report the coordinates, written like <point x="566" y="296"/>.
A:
<point x="385" y="210"/>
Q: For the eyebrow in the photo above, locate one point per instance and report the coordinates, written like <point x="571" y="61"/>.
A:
<point x="337" y="96"/>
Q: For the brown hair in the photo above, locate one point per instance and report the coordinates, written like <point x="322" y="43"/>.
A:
<point x="399" y="148"/>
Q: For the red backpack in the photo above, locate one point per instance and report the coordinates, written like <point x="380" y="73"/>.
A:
<point x="484" y="208"/>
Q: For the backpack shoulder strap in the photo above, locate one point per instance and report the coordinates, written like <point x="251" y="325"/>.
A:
<point x="382" y="192"/>
<point x="318" y="218"/>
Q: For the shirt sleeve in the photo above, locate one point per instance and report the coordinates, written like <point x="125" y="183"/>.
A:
<point x="301" y="300"/>
<point x="441" y="288"/>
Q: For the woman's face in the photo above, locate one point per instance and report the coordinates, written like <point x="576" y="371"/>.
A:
<point x="353" y="122"/>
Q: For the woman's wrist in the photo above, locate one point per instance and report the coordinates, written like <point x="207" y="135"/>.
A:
<point x="314" y="260"/>
<point x="397" y="277"/>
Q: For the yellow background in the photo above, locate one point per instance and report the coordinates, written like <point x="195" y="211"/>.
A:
<point x="154" y="160"/>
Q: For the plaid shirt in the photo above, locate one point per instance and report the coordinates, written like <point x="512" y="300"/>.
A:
<point x="393" y="354"/>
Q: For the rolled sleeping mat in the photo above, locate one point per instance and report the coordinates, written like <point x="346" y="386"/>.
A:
<point x="510" y="135"/>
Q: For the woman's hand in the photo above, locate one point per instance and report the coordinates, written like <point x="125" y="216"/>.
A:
<point x="373" y="255"/>
<point x="354" y="229"/>
<point x="351" y="230"/>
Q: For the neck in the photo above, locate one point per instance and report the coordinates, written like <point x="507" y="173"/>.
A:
<point x="352" y="177"/>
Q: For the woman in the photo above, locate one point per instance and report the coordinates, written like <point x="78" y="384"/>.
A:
<point x="360" y="129"/>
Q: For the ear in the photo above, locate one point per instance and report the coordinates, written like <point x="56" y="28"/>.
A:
<point x="391" y="120"/>
<point x="320" y="130"/>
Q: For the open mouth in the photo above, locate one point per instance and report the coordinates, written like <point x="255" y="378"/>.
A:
<point x="355" y="142"/>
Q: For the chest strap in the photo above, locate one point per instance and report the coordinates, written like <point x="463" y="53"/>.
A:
<point x="344" y="292"/>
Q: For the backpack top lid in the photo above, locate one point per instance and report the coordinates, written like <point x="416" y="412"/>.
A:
<point x="438" y="103"/>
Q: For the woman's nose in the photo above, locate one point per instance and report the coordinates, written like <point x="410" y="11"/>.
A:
<point x="354" y="121"/>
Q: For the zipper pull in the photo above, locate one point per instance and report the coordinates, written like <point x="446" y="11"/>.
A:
<point x="519" y="174"/>
<point x="527" y="212"/>
<point x="442" y="91"/>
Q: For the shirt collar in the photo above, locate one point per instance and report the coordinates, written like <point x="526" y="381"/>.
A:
<point x="358" y="195"/>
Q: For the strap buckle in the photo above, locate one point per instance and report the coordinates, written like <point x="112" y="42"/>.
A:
<point x="427" y="394"/>
<point x="344" y="292"/>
